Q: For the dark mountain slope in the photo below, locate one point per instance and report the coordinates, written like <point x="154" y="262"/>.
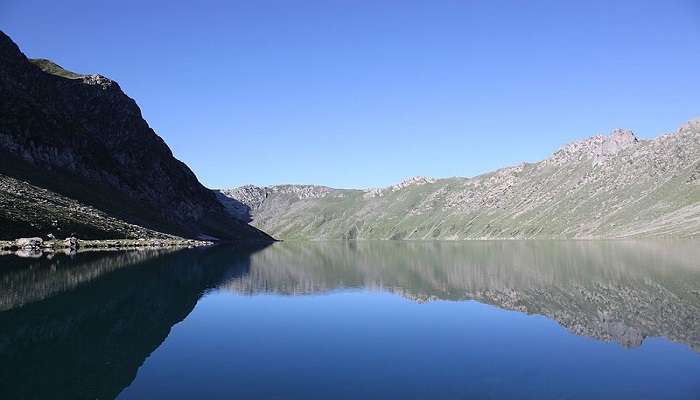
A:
<point x="82" y="137"/>
<point x="27" y="210"/>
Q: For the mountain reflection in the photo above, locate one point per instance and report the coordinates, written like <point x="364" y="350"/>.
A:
<point x="79" y="327"/>
<point x="623" y="291"/>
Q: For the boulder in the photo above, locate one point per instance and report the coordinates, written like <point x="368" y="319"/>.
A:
<point x="29" y="243"/>
<point x="71" y="243"/>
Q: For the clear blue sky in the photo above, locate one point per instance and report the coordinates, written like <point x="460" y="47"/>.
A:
<point x="366" y="93"/>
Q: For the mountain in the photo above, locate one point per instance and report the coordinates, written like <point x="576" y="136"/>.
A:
<point x="79" y="137"/>
<point x="607" y="186"/>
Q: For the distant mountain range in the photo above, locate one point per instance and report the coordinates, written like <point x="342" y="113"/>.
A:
<point x="77" y="157"/>
<point x="611" y="186"/>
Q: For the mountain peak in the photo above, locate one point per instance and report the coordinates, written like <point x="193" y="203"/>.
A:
<point x="596" y="148"/>
<point x="412" y="181"/>
<point x="622" y="133"/>
<point x="690" y="127"/>
<point x="52" y="68"/>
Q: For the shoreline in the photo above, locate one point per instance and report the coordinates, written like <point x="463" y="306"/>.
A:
<point x="36" y="247"/>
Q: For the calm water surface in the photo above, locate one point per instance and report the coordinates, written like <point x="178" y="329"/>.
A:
<point x="368" y="320"/>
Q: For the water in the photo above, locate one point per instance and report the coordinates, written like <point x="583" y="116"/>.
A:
<point x="410" y="320"/>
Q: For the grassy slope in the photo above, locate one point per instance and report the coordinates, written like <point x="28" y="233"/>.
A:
<point x="650" y="189"/>
<point x="54" y="69"/>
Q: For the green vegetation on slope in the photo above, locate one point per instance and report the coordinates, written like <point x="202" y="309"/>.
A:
<point x="52" y="68"/>
<point x="604" y="187"/>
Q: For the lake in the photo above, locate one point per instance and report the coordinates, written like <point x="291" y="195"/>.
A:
<point x="349" y="320"/>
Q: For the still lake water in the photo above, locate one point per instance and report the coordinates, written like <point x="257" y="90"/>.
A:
<point x="356" y="320"/>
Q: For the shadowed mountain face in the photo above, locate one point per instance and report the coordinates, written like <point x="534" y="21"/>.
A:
<point x="611" y="186"/>
<point x="622" y="291"/>
<point x="81" y="137"/>
<point x="80" y="327"/>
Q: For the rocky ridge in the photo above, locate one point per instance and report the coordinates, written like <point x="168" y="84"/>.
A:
<point x="597" y="148"/>
<point x="607" y="186"/>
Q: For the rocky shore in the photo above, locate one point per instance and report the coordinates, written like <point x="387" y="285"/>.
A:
<point x="36" y="247"/>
